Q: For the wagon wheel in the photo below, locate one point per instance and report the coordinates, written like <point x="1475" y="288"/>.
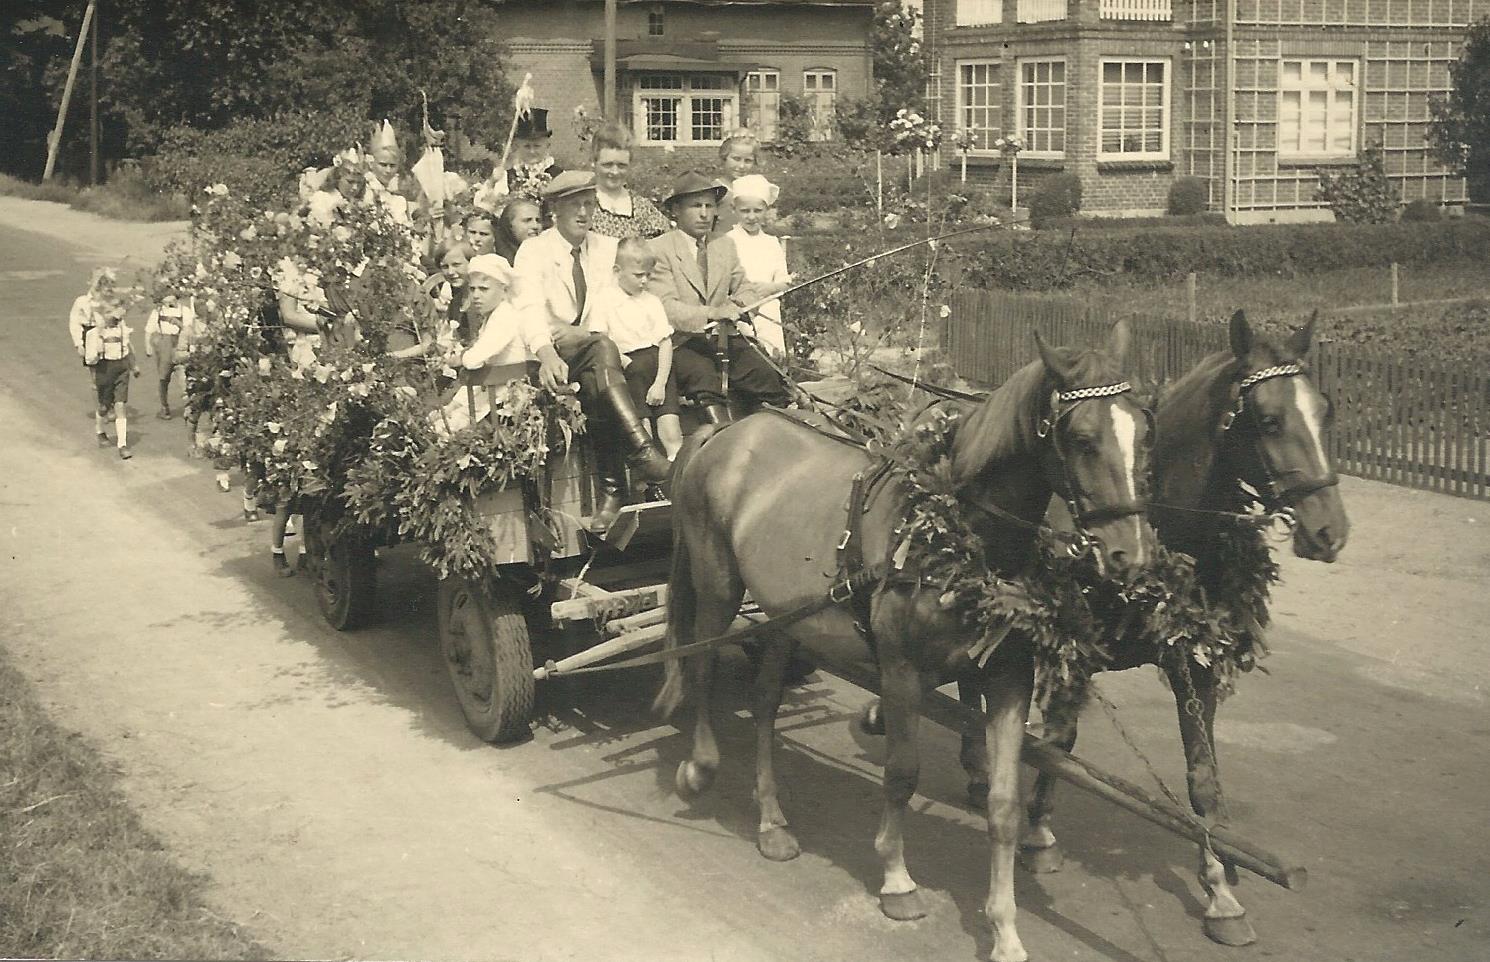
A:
<point x="484" y="638"/>
<point x="345" y="575"/>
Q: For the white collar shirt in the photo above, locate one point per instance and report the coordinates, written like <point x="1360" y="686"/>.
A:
<point x="545" y="276"/>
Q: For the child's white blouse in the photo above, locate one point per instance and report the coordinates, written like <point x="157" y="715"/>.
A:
<point x="764" y="261"/>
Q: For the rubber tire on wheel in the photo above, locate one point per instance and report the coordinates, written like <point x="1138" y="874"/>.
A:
<point x="484" y="641"/>
<point x="345" y="573"/>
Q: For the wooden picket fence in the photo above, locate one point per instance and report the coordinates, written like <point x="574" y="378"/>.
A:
<point x="1398" y="419"/>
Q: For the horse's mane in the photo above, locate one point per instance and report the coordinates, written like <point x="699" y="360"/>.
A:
<point x="1006" y="425"/>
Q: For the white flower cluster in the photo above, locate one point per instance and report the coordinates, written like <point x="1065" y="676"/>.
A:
<point x="1012" y="144"/>
<point x="911" y="130"/>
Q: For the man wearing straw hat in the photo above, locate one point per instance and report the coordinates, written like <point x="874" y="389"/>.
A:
<point x="559" y="274"/>
<point x="702" y="287"/>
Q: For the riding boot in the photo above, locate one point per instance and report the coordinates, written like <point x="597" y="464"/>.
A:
<point x="714" y="414"/>
<point x="642" y="452"/>
<point x="610" y="495"/>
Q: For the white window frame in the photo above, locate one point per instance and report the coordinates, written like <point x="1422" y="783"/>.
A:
<point x="1020" y="106"/>
<point x="823" y="122"/>
<point x="988" y="135"/>
<point x="757" y="111"/>
<point x="978" y="13"/>
<point x="1332" y="87"/>
<point x="686" y="95"/>
<point x="1164" y="110"/>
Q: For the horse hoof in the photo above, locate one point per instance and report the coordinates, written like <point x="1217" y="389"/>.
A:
<point x="778" y="844"/>
<point x="871" y="722"/>
<point x="1042" y="861"/>
<point x="693" y="779"/>
<point x="903" y="906"/>
<point x="977" y="796"/>
<point x="1235" y="931"/>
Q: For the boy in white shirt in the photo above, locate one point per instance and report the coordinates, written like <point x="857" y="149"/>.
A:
<point x="636" y="321"/>
<point x="106" y="351"/>
<point x="760" y="254"/>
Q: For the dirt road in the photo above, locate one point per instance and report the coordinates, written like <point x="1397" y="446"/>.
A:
<point x="328" y="785"/>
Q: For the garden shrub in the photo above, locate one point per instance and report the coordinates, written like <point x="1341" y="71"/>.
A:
<point x="1361" y="194"/>
<point x="1422" y="209"/>
<point x="1058" y="196"/>
<point x="1045" y="260"/>
<point x="262" y="158"/>
<point x="1188" y="195"/>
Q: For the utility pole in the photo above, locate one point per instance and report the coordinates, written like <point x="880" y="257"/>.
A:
<point x="610" y="60"/>
<point x="54" y="142"/>
<point x="93" y="130"/>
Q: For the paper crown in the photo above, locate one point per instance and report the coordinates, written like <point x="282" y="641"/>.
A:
<point x="351" y="158"/>
<point x="385" y="143"/>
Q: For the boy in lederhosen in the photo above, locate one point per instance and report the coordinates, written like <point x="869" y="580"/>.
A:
<point x="106" y="352"/>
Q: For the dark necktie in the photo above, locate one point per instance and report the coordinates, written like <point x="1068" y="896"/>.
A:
<point x="580" y="290"/>
<point x="703" y="262"/>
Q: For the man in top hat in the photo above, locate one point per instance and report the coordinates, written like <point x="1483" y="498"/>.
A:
<point x="532" y="164"/>
<point x="559" y="274"/>
<point x="702" y="286"/>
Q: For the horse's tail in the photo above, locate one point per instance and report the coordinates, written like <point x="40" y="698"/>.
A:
<point x="682" y="599"/>
<point x="680" y="608"/>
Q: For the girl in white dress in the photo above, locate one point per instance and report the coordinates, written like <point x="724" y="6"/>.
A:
<point x="761" y="255"/>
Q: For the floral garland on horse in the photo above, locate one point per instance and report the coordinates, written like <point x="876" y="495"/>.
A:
<point x="1070" y="615"/>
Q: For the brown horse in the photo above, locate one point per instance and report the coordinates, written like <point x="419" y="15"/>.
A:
<point x="1250" y="414"/>
<point x="761" y="506"/>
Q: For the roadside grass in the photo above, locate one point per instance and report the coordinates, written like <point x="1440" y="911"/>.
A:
<point x="80" y="876"/>
<point x="125" y="196"/>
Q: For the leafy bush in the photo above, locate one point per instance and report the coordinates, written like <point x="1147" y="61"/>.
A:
<point x="1422" y="209"/>
<point x="1188" y="195"/>
<point x="1058" y="196"/>
<point x="261" y="158"/>
<point x="1361" y="194"/>
<point x="1044" y="260"/>
<point x="1207" y="219"/>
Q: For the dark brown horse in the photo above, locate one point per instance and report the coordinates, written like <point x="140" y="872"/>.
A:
<point x="1250" y="414"/>
<point x="762" y="506"/>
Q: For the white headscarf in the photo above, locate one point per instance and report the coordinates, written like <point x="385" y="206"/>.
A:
<point x="754" y="185"/>
<point x="492" y="266"/>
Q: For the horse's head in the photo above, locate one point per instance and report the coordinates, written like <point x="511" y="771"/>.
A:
<point x="1279" y="422"/>
<point x="1096" y="452"/>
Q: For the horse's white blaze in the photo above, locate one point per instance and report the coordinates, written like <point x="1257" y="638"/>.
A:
<point x="1125" y="426"/>
<point x="1125" y="429"/>
<point x="1312" y="411"/>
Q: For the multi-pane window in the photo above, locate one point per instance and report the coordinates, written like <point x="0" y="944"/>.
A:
<point x="820" y="88"/>
<point x="656" y="25"/>
<point x="1042" y="106"/>
<point x="1317" y="108"/>
<point x="763" y="98"/>
<point x="1133" y="110"/>
<point x="978" y="108"/>
<point x="684" y="109"/>
<point x="974" y="13"/>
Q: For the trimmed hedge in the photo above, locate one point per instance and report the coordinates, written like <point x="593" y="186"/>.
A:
<point x="1036" y="261"/>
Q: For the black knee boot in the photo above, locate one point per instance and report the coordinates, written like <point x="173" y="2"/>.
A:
<point x="642" y="452"/>
<point x="611" y="465"/>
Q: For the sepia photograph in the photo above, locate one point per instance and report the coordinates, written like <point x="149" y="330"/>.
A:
<point x="670" y="480"/>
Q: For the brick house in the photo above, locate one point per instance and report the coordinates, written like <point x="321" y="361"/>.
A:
<point x="688" y="71"/>
<point x="1251" y="96"/>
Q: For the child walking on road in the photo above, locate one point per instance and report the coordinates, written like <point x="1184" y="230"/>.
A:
<point x="166" y="332"/>
<point x="106" y="351"/>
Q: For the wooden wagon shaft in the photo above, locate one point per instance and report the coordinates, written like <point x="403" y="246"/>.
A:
<point x="952" y="714"/>
<point x="619" y="645"/>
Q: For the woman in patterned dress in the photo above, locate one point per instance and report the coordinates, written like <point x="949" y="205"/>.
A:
<point x="619" y="211"/>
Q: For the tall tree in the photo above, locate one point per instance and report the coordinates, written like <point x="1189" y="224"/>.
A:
<point x="900" y="66"/>
<point x="1460" y="134"/>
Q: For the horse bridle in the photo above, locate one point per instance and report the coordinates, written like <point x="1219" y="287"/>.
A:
<point x="1283" y="498"/>
<point x="1079" y="542"/>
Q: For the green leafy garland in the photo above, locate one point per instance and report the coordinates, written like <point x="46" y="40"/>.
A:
<point x="1070" y="616"/>
<point x="354" y="428"/>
